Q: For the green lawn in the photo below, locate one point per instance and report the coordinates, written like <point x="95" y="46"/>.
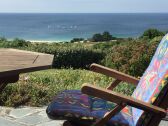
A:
<point x="38" y="89"/>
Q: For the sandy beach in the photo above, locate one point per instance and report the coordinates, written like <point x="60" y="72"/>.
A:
<point x="46" y="41"/>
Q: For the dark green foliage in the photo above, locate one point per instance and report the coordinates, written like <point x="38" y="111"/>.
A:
<point x="20" y="43"/>
<point x="16" y="43"/>
<point x="97" y="38"/>
<point x="3" y="39"/>
<point x="77" y="40"/>
<point x="152" y="33"/>
<point x="69" y="55"/>
<point x="77" y="58"/>
<point x="106" y="36"/>
<point x="105" y="45"/>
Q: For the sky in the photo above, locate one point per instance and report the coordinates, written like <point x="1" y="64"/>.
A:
<point x="83" y="6"/>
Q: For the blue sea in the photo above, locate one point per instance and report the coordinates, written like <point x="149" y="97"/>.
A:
<point x="64" y="27"/>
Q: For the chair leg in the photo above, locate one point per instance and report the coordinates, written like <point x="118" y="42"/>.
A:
<point x="109" y="115"/>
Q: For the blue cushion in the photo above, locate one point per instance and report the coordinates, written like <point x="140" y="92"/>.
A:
<point x="72" y="104"/>
<point x="69" y="104"/>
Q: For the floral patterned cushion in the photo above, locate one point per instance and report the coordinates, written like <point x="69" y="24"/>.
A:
<point x="73" y="105"/>
<point x="69" y="104"/>
<point x="153" y="80"/>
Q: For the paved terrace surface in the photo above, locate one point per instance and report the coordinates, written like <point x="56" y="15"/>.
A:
<point x="29" y="116"/>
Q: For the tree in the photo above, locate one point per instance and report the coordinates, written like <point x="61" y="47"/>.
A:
<point x="107" y="36"/>
<point x="3" y="39"/>
<point x="19" y="43"/>
<point x="97" y="37"/>
<point x="152" y="33"/>
<point x="77" y="40"/>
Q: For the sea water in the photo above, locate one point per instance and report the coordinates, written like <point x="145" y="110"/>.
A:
<point x="64" y="27"/>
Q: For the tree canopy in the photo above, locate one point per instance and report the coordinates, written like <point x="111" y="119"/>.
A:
<point x="152" y="33"/>
<point x="106" y="36"/>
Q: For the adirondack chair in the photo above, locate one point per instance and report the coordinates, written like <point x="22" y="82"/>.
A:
<point x="99" y="107"/>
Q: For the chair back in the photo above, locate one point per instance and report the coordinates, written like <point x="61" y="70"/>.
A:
<point x="153" y="84"/>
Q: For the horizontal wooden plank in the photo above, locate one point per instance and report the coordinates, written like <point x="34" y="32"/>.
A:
<point x="13" y="61"/>
<point x="113" y="73"/>
<point x="119" y="98"/>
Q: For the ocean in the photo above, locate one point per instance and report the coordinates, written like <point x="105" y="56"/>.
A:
<point x="64" y="27"/>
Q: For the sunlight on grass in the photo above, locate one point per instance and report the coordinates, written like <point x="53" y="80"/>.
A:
<point x="38" y="88"/>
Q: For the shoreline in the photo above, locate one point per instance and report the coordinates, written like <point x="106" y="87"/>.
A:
<point x="45" y="41"/>
<point x="61" y="41"/>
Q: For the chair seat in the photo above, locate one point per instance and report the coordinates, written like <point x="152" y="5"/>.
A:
<point x="73" y="105"/>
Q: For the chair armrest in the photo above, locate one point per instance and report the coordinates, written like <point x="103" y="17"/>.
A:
<point x="120" y="99"/>
<point x="113" y="73"/>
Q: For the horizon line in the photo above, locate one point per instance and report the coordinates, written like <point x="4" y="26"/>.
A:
<point x="84" y="13"/>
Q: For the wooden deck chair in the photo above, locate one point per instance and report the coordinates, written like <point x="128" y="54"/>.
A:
<point x="97" y="106"/>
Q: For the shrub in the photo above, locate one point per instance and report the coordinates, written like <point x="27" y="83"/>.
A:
<point x="106" y="36"/>
<point x="69" y="55"/>
<point x="131" y="57"/>
<point x="3" y="39"/>
<point x="97" y="38"/>
<point x="76" y="58"/>
<point x="16" y="43"/>
<point x="104" y="46"/>
<point x="152" y="33"/>
<point x="66" y="55"/>
<point x="20" y="43"/>
<point x="77" y="40"/>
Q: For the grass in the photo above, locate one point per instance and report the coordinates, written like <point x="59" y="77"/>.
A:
<point x="38" y="88"/>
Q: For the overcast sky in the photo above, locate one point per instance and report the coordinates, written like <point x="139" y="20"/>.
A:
<point x="83" y="6"/>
